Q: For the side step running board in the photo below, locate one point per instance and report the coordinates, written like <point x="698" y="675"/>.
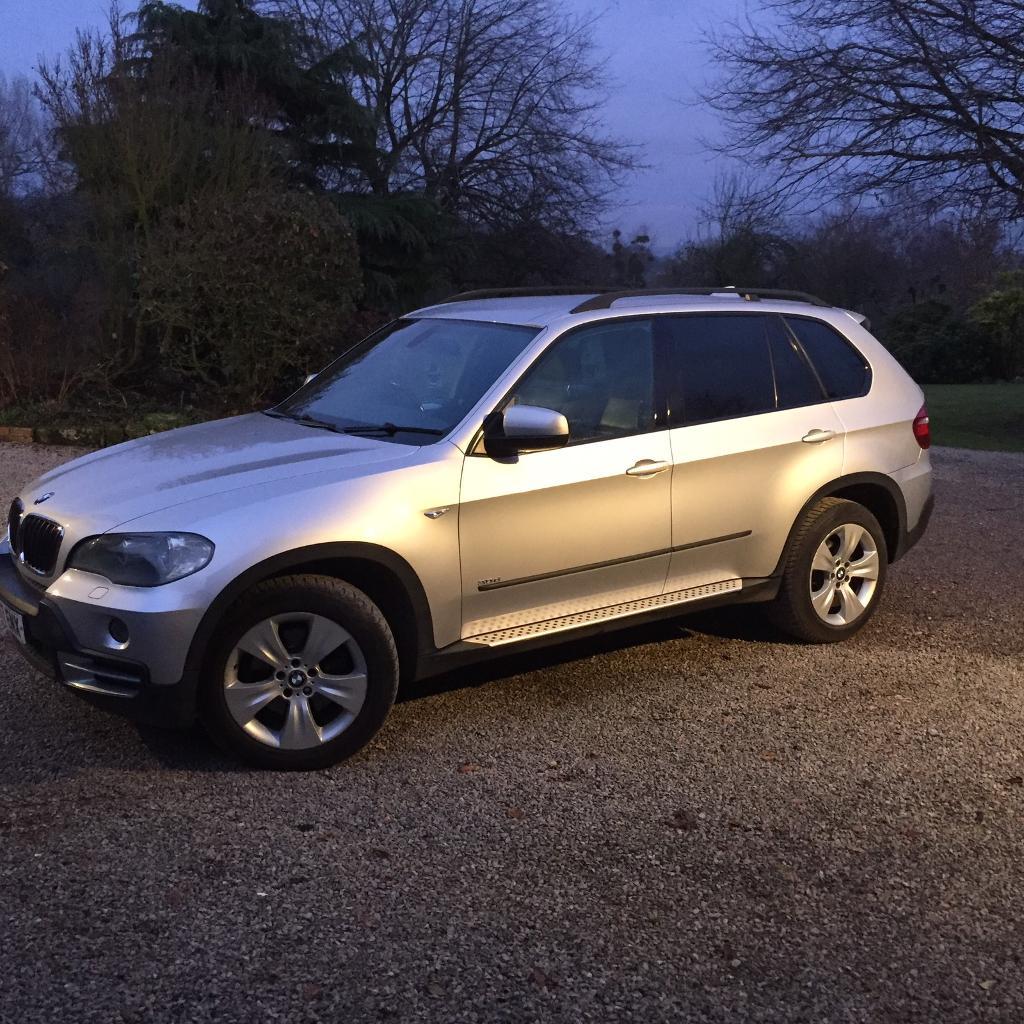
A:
<point x="511" y="634"/>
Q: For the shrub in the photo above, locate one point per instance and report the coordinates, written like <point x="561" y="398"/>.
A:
<point x="936" y="346"/>
<point x="1001" y="314"/>
<point x="249" y="290"/>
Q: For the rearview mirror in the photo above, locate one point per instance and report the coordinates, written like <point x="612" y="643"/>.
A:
<point x="525" y="428"/>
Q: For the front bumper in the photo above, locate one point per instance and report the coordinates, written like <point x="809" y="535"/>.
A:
<point x="106" y="678"/>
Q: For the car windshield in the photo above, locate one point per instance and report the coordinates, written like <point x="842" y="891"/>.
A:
<point x="412" y="381"/>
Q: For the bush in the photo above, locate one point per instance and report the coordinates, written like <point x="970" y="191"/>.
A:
<point x="43" y="356"/>
<point x="1001" y="314"/>
<point x="249" y="291"/>
<point x="936" y="346"/>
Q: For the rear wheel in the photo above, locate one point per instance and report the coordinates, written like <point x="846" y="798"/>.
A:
<point x="833" y="574"/>
<point x="303" y="674"/>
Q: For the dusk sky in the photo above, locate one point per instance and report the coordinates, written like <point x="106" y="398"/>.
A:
<point x="655" y="58"/>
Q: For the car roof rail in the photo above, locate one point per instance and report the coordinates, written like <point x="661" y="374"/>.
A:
<point x="606" y="299"/>
<point x="512" y="293"/>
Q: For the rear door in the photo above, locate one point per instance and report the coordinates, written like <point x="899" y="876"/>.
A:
<point x="753" y="436"/>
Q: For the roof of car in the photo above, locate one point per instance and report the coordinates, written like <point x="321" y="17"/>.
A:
<point x="537" y="310"/>
<point x="542" y="309"/>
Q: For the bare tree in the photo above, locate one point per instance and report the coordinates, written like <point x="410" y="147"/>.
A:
<point x="488" y="106"/>
<point x="855" y="97"/>
<point x="22" y="148"/>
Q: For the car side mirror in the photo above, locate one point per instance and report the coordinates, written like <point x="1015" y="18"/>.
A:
<point x="524" y="428"/>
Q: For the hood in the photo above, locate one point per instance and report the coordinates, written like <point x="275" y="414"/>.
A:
<point x="100" y="491"/>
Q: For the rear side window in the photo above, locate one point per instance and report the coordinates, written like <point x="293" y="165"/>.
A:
<point x="844" y="372"/>
<point x="723" y="367"/>
<point x="796" y="384"/>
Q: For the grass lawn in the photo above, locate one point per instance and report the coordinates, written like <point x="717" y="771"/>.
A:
<point x="987" y="416"/>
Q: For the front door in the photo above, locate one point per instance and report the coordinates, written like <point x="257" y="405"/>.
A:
<point x="560" y="533"/>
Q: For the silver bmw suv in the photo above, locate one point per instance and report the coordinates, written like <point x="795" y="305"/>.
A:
<point x="496" y="471"/>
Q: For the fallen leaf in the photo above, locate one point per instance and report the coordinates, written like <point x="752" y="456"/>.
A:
<point x="542" y="979"/>
<point x="769" y="755"/>
<point x="515" y="812"/>
<point x="988" y="984"/>
<point x="469" y="766"/>
<point x="310" y="990"/>
<point x="683" y="820"/>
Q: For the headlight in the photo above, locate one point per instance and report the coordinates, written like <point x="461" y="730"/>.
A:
<point x="142" y="559"/>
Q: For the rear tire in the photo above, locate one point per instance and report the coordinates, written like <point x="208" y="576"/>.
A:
<point x="302" y="674"/>
<point x="833" y="574"/>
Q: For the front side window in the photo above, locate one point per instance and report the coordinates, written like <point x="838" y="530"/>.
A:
<point x="412" y="381"/>
<point x="601" y="378"/>
<point x="843" y="370"/>
<point x="724" y="369"/>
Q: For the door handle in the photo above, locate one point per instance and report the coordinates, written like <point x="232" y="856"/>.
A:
<point x="816" y="436"/>
<point x="648" y="467"/>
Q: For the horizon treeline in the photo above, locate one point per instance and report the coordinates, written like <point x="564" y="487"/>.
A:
<point x="199" y="207"/>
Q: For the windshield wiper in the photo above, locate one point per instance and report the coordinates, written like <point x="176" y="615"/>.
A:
<point x="390" y="429"/>
<point x="360" y="428"/>
<point x="306" y="421"/>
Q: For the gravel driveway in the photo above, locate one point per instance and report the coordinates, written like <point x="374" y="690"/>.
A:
<point x="693" y="821"/>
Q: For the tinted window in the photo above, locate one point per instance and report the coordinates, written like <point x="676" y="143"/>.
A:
<point x="600" y="378"/>
<point x="795" y="382"/>
<point x="724" y="369"/>
<point x="425" y="373"/>
<point x="842" y="369"/>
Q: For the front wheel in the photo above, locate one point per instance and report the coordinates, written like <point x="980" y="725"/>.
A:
<point x="833" y="575"/>
<point x="302" y="675"/>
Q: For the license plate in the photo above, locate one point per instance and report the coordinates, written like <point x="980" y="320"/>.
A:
<point x="12" y="623"/>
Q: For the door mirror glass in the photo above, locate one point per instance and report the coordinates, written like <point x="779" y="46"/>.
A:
<point x="524" y="428"/>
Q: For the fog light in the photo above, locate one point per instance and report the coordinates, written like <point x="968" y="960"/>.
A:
<point x="118" y="631"/>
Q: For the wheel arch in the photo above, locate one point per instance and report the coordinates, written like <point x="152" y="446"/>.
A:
<point x="384" y="576"/>
<point x="878" y="493"/>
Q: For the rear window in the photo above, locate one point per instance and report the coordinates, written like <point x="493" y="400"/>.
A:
<point x="844" y="372"/>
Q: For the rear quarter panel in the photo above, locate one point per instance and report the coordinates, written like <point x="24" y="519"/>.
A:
<point x="879" y="425"/>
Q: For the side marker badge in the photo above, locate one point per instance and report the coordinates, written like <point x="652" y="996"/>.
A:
<point x="436" y="513"/>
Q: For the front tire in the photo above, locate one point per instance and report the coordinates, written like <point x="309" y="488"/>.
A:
<point x="302" y="674"/>
<point x="833" y="575"/>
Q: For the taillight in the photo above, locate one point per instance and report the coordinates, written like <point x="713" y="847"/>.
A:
<point x="922" y="429"/>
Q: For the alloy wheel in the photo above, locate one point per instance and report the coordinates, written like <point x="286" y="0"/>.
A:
<point x="295" y="681"/>
<point x="844" y="574"/>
